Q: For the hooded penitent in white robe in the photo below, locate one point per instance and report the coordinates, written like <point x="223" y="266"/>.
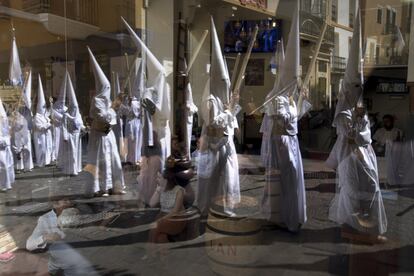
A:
<point x="58" y="121"/>
<point x="157" y="102"/>
<point x="22" y="130"/>
<point x="132" y="113"/>
<point x="6" y="155"/>
<point x="70" y="142"/>
<point x="156" y="134"/>
<point x="42" y="133"/>
<point x="358" y="201"/>
<point x="218" y="168"/>
<point x="284" y="198"/>
<point x="102" y="148"/>
<point x="268" y="146"/>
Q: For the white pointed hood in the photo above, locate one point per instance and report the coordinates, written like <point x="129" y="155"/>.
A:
<point x="289" y="71"/>
<point x="117" y="85"/>
<point x="102" y="84"/>
<point x="140" y="44"/>
<point x="189" y="94"/>
<point x="219" y="75"/>
<point x="27" y="91"/>
<point x="351" y="88"/>
<point x="60" y="104"/>
<point x="73" y="106"/>
<point x="15" y="70"/>
<point x="41" y="101"/>
<point x="280" y="59"/>
<point x="157" y="92"/>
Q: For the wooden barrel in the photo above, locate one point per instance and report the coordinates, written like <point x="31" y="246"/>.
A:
<point x="192" y="227"/>
<point x="271" y="197"/>
<point x="232" y="243"/>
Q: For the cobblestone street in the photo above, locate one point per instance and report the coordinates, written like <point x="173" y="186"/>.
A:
<point x="116" y="242"/>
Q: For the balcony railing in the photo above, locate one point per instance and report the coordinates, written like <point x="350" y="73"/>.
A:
<point x="85" y="11"/>
<point x="36" y="6"/>
<point x="338" y="64"/>
<point x="389" y="29"/>
<point x="311" y="25"/>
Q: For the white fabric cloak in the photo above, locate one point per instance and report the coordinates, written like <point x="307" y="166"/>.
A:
<point x="218" y="168"/>
<point x="102" y="148"/>
<point x="6" y="156"/>
<point x="42" y="132"/>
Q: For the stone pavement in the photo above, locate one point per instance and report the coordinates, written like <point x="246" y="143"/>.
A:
<point x="118" y="246"/>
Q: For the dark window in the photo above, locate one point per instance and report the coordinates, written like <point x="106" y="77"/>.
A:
<point x="379" y="15"/>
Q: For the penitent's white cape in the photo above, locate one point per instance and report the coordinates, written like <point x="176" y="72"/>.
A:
<point x="70" y="142"/>
<point x="284" y="199"/>
<point x="42" y="132"/>
<point x="6" y="155"/>
<point x="218" y="168"/>
<point x="358" y="201"/>
<point x="102" y="148"/>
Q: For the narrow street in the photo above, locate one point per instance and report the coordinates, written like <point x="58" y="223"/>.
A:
<point x="114" y="238"/>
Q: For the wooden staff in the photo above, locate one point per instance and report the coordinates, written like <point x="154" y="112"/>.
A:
<point x="234" y="75"/>
<point x="196" y="51"/>
<point x="294" y="82"/>
<point x="130" y="71"/>
<point x="234" y="100"/>
<point x="306" y="80"/>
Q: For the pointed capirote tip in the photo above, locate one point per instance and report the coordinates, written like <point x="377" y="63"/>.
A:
<point x="90" y="53"/>
<point x="129" y="28"/>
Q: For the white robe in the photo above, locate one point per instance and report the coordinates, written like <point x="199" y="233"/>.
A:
<point x="6" y="158"/>
<point x="133" y="131"/>
<point x="60" y="135"/>
<point x="22" y="143"/>
<point x="218" y="168"/>
<point x="358" y="196"/>
<point x="103" y="150"/>
<point x="118" y="130"/>
<point x="57" y="124"/>
<point x="71" y="146"/>
<point x="282" y="153"/>
<point x="43" y="140"/>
